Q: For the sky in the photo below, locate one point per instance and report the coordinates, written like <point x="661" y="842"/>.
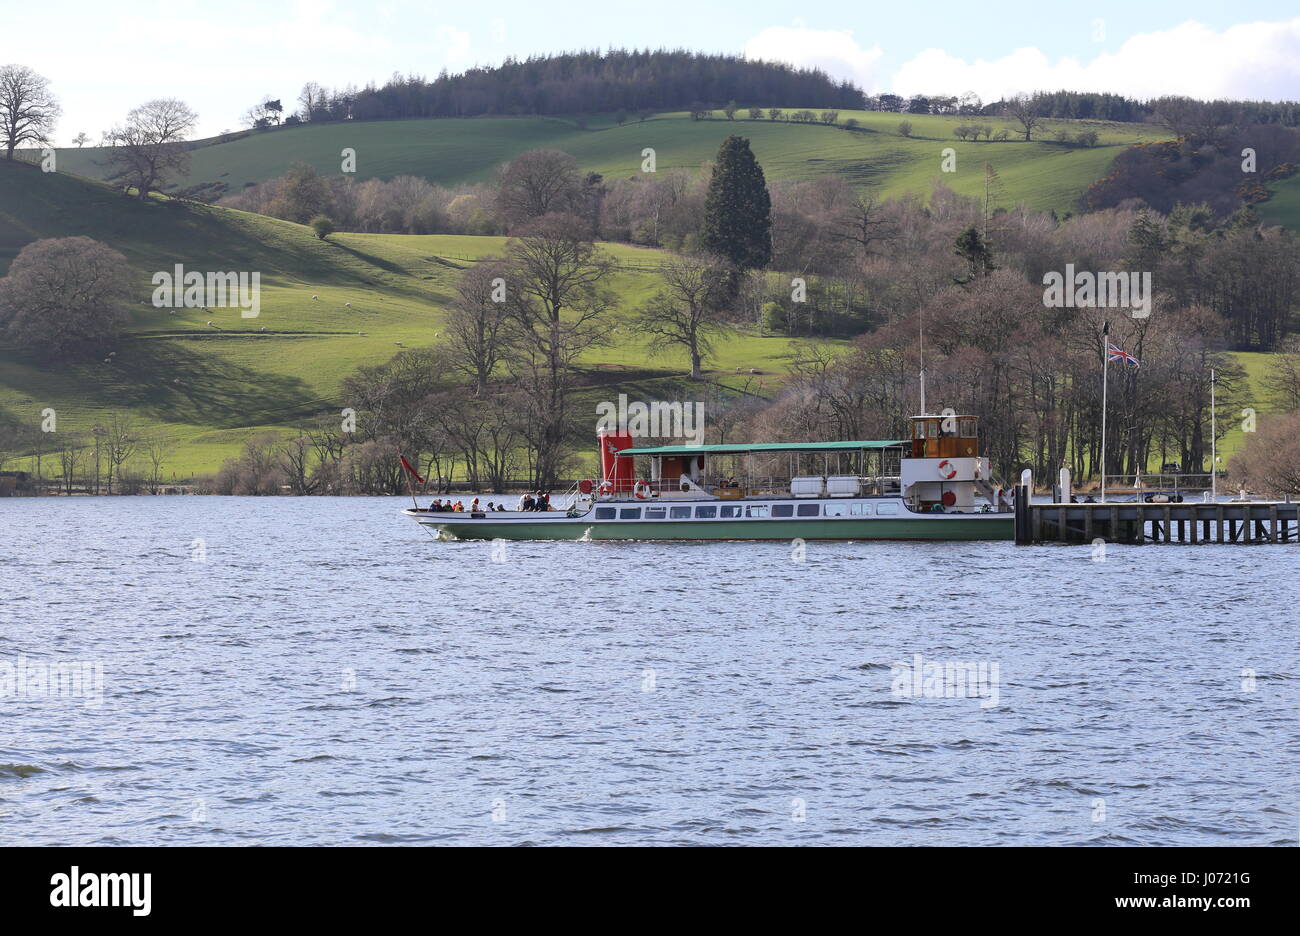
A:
<point x="222" y="57"/>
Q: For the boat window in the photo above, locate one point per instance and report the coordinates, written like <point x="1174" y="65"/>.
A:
<point x="837" y="510"/>
<point x="967" y="427"/>
<point x="783" y="510"/>
<point x="630" y="513"/>
<point x="706" y="513"/>
<point x="655" y="513"/>
<point x="679" y="513"/>
<point x="859" y="509"/>
<point x="757" y="510"/>
<point x="605" y="513"/>
<point x="729" y="510"/>
<point x="886" y="510"/>
<point x="809" y="510"/>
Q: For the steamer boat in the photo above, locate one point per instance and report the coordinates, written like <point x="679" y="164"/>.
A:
<point x="934" y="486"/>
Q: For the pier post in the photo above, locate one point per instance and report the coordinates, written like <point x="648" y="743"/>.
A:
<point x="1023" y="509"/>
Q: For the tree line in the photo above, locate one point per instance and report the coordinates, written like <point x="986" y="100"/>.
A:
<point x="1092" y="105"/>
<point x="580" y="82"/>
<point x="967" y="270"/>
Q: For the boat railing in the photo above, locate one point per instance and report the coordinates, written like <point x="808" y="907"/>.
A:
<point x="744" y="487"/>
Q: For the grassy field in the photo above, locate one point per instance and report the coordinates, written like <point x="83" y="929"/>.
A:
<point x="1284" y="207"/>
<point x="326" y="308"/>
<point x="330" y="307"/>
<point x="1042" y="175"/>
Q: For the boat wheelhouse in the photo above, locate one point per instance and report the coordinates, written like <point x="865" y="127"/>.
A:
<point x="932" y="486"/>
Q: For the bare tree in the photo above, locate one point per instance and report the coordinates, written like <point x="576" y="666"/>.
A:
<point x="65" y="296"/>
<point x="487" y="433"/>
<point x="28" y="111"/>
<point x="1269" y="462"/>
<point x="688" y="312"/>
<point x="557" y="301"/>
<point x="150" y="147"/>
<point x="537" y="183"/>
<point x="476" y="324"/>
<point x="1185" y="117"/>
<point x="120" y="443"/>
<point x="312" y="100"/>
<point x="81" y="139"/>
<point x="72" y="452"/>
<point x="157" y="450"/>
<point x="295" y="455"/>
<point x="864" y="224"/>
<point x="1025" y="110"/>
<point x="264" y="113"/>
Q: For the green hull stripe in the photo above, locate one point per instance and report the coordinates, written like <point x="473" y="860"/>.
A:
<point x="993" y="527"/>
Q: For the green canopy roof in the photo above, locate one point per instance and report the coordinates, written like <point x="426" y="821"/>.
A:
<point x="744" y="447"/>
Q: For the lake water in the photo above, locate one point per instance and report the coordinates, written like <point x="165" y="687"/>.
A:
<point x="321" y="671"/>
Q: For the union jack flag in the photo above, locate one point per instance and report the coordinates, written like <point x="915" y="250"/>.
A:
<point x="1115" y="355"/>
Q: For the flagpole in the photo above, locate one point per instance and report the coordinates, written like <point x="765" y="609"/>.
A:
<point x="407" y="471"/>
<point x="1105" y="367"/>
<point x="921" y="317"/>
<point x="1214" y="443"/>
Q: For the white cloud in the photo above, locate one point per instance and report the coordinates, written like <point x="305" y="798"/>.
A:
<point x="836" y="53"/>
<point x="1252" y="61"/>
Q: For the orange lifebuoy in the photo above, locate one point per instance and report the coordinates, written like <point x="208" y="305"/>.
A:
<point x="947" y="470"/>
<point x="605" y="489"/>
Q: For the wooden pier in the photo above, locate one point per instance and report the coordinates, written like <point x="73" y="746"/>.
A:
<point x="1138" y="522"/>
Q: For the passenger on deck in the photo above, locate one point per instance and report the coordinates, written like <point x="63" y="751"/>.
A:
<point x="526" y="503"/>
<point x="459" y="508"/>
<point x="473" y="507"/>
<point x="544" y="502"/>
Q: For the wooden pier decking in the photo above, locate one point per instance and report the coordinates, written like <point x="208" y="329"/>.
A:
<point x="1138" y="522"/>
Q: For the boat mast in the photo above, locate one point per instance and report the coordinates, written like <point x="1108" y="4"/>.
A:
<point x="921" y="319"/>
<point x="1214" y="444"/>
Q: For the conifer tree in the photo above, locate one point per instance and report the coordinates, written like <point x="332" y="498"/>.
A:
<point x="738" y="210"/>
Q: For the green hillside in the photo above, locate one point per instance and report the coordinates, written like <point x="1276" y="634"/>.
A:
<point x="448" y="151"/>
<point x="210" y="388"/>
<point x="1284" y="207"/>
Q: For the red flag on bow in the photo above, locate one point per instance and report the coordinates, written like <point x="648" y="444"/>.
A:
<point x="407" y="465"/>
